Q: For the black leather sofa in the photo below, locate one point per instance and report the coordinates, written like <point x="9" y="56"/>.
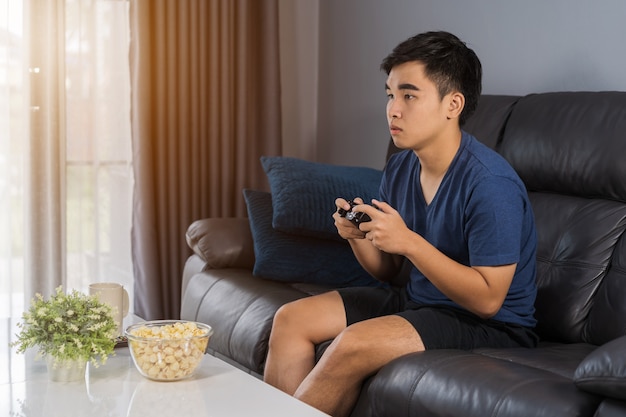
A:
<point x="570" y="150"/>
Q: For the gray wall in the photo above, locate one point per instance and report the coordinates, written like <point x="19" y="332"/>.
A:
<point x="525" y="47"/>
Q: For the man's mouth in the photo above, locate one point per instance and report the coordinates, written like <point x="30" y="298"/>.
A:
<point x="394" y="129"/>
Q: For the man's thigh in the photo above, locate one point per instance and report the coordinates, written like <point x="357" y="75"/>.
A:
<point x="379" y="340"/>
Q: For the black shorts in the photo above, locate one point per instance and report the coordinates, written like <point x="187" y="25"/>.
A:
<point x="440" y="327"/>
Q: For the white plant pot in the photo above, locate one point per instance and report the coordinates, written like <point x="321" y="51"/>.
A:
<point x="66" y="370"/>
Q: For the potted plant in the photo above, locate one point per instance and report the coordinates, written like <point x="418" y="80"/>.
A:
<point x="69" y="330"/>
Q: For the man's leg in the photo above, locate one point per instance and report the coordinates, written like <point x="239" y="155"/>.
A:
<point x="298" y="327"/>
<point x="359" y="351"/>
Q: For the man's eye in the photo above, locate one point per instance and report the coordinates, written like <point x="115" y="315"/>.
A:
<point x="389" y="96"/>
<point x="409" y="96"/>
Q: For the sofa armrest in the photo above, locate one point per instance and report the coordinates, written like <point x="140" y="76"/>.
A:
<point x="603" y="371"/>
<point x="223" y="242"/>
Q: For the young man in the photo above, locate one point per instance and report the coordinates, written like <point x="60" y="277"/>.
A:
<point x="451" y="207"/>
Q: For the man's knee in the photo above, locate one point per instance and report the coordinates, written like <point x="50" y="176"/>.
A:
<point x="317" y="318"/>
<point x="292" y="319"/>
<point x="350" y="344"/>
<point x="386" y="336"/>
<point x="283" y="319"/>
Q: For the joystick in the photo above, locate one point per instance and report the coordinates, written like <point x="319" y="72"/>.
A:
<point x="356" y="217"/>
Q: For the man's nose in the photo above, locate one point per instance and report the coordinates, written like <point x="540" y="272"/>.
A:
<point x="393" y="110"/>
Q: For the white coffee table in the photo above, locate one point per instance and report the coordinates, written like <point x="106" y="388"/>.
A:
<point x="117" y="389"/>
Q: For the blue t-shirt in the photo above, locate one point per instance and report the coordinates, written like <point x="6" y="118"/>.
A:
<point x="480" y="216"/>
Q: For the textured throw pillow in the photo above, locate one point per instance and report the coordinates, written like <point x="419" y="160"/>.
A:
<point x="603" y="371"/>
<point x="304" y="193"/>
<point x="285" y="257"/>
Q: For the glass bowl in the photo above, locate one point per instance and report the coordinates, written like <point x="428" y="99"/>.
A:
<point x="168" y="350"/>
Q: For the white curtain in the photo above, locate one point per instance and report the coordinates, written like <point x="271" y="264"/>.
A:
<point x="65" y="152"/>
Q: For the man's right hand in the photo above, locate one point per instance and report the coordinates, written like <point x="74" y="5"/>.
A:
<point x="345" y="227"/>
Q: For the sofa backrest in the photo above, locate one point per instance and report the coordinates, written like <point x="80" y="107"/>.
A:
<point x="570" y="150"/>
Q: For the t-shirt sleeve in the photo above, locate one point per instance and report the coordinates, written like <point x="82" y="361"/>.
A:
<point x="495" y="213"/>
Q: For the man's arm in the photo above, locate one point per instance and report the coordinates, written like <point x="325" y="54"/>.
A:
<point x="481" y="290"/>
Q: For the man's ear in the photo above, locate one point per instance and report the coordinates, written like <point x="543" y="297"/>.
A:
<point x="456" y="103"/>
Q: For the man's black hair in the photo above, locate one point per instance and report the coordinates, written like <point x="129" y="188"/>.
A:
<point x="448" y="62"/>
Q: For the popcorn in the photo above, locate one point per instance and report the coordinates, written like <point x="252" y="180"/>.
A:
<point x="168" y="351"/>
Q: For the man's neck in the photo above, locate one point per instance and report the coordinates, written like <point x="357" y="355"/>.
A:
<point x="435" y="161"/>
<point x="436" y="158"/>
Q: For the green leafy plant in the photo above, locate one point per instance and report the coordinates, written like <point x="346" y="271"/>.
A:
<point x="68" y="326"/>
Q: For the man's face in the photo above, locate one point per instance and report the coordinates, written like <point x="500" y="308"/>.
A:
<point x="415" y="113"/>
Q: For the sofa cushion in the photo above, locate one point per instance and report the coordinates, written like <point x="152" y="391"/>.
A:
<point x="611" y="408"/>
<point x="575" y="262"/>
<point x="304" y="193"/>
<point x="607" y="317"/>
<point x="445" y="382"/>
<point x="559" y="358"/>
<point x="569" y="143"/>
<point x="293" y="258"/>
<point x="603" y="371"/>
<point x="488" y="121"/>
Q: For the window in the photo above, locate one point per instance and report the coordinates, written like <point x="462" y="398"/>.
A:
<point x="94" y="158"/>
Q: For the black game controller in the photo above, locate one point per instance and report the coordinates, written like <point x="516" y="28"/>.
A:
<point x="356" y="217"/>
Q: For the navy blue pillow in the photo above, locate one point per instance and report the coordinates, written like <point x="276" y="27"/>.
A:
<point x="304" y="193"/>
<point x="285" y="257"/>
